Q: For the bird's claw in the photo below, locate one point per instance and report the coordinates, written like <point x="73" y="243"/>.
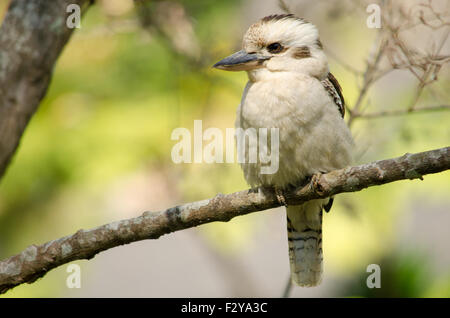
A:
<point x="315" y="178"/>
<point x="280" y="197"/>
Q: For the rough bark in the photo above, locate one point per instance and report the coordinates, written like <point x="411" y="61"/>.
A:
<point x="35" y="261"/>
<point x="32" y="37"/>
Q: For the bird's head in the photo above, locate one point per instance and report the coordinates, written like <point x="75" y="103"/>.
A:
<point x="279" y="43"/>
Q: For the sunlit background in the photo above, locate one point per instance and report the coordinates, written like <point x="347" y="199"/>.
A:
<point x="99" y="150"/>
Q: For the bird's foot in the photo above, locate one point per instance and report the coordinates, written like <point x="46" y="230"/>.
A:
<point x="315" y="178"/>
<point x="280" y="196"/>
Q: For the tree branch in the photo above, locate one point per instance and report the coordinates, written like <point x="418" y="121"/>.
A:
<point x="391" y="113"/>
<point x="35" y="261"/>
<point x="32" y="37"/>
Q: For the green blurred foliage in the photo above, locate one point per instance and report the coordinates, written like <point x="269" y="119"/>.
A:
<point x="116" y="97"/>
<point x="404" y="274"/>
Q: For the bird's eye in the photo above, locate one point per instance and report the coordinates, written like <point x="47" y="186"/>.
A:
<point x="275" y="48"/>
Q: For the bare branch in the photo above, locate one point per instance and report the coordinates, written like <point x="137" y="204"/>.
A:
<point x="400" y="22"/>
<point x="368" y="78"/>
<point x="35" y="261"/>
<point x="32" y="37"/>
<point x="170" y="21"/>
<point x="283" y="6"/>
<point x="402" y="112"/>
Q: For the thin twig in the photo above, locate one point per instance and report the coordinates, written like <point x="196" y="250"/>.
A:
<point x="368" y="78"/>
<point x="283" y="6"/>
<point x="287" y="288"/>
<point x="405" y="111"/>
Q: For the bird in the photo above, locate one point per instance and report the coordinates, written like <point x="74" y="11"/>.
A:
<point x="291" y="88"/>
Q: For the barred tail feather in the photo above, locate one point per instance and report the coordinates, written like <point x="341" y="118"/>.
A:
<point x="304" y="226"/>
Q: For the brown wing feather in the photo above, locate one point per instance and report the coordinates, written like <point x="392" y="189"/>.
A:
<point x="335" y="91"/>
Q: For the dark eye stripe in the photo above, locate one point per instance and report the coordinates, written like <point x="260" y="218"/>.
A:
<point x="302" y="52"/>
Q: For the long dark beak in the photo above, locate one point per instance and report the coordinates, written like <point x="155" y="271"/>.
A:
<point x="241" y="61"/>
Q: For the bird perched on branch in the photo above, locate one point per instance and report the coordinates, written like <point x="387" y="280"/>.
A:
<point x="291" y="88"/>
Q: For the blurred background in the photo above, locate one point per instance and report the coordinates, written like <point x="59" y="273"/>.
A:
<point x="99" y="150"/>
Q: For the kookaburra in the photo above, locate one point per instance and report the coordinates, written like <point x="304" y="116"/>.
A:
<point x="291" y="88"/>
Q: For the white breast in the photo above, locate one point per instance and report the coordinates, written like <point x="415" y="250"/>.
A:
<point x="313" y="136"/>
